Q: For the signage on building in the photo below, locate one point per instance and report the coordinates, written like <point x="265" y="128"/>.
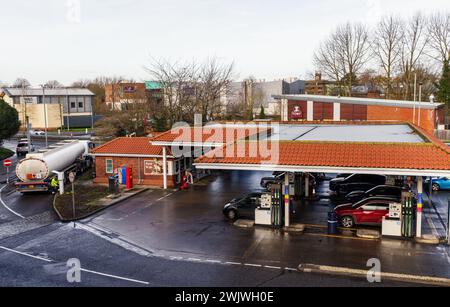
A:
<point x="296" y="113"/>
<point x="153" y="167"/>
<point x="28" y="100"/>
<point x="129" y="89"/>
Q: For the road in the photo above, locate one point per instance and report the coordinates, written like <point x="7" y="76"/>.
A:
<point x="39" y="258"/>
<point x="14" y="205"/>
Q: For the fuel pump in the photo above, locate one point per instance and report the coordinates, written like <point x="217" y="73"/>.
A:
<point x="408" y="214"/>
<point x="277" y="204"/>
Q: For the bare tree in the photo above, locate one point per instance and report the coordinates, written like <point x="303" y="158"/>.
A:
<point x="214" y="79"/>
<point x="414" y="43"/>
<point x="387" y="47"/>
<point x="21" y="83"/>
<point x="327" y="61"/>
<point x="353" y="49"/>
<point x="344" y="54"/>
<point x="190" y="87"/>
<point x="53" y="84"/>
<point x="439" y="33"/>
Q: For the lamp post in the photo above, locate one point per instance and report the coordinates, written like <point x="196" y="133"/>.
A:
<point x="415" y="97"/>
<point x="45" y="114"/>
<point x="420" y="101"/>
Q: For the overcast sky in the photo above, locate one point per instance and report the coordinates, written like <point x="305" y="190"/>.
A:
<point x="71" y="39"/>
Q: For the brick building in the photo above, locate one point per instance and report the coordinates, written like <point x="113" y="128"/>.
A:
<point x="327" y="108"/>
<point x="145" y="159"/>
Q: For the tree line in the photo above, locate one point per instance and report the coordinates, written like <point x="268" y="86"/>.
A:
<point x="393" y="55"/>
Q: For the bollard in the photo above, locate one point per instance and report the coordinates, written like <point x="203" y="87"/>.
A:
<point x="332" y="223"/>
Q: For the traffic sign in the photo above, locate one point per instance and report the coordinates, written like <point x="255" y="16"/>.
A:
<point x="7" y="163"/>
<point x="72" y="177"/>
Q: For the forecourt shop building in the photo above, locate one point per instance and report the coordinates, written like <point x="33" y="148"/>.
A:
<point x="388" y="148"/>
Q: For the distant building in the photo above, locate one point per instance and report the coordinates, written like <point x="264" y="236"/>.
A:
<point x="261" y="93"/>
<point x="52" y="108"/>
<point x="118" y="95"/>
<point x="319" y="86"/>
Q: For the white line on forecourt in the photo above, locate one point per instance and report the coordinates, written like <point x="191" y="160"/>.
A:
<point x="84" y="270"/>
<point x="8" y="208"/>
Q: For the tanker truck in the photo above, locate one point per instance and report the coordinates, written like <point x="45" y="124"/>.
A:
<point x="35" y="172"/>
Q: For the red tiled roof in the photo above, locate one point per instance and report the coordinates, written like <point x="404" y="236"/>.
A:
<point x="131" y="146"/>
<point x="338" y="154"/>
<point x="218" y="135"/>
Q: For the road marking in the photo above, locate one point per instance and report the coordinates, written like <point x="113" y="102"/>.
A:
<point x="233" y="263"/>
<point x="194" y="259"/>
<point x="9" y="209"/>
<point x="333" y="270"/>
<point x="253" y="265"/>
<point x="291" y="269"/>
<point x="116" y="277"/>
<point x="84" y="270"/>
<point x="213" y="261"/>
<point x="164" y="197"/>
<point x="338" y="237"/>
<point x="25" y="254"/>
<point x="272" y="267"/>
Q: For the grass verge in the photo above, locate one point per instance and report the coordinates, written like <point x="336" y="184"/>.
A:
<point x="5" y="153"/>
<point x="86" y="201"/>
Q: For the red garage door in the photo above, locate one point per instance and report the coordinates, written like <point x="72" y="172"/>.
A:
<point x="353" y="112"/>
<point x="323" y="111"/>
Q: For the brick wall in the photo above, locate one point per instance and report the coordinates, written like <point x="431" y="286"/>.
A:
<point x="138" y="179"/>
<point x="427" y="120"/>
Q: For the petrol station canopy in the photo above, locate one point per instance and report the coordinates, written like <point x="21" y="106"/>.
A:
<point x="389" y="148"/>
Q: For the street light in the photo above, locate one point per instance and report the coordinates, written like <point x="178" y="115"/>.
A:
<point x="420" y="101"/>
<point x="45" y="114"/>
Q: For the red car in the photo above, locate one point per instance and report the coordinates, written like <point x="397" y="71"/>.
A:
<point x="369" y="211"/>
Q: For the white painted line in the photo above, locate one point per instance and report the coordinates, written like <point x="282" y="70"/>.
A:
<point x="213" y="261"/>
<point x="233" y="263"/>
<point x="164" y="197"/>
<point x="291" y="269"/>
<point x="272" y="267"/>
<point x="253" y="265"/>
<point x="25" y="254"/>
<point x="8" y="208"/>
<point x="194" y="259"/>
<point x="116" y="277"/>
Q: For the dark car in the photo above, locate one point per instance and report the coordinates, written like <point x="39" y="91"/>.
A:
<point x="378" y="191"/>
<point x="338" y="184"/>
<point x="369" y="211"/>
<point x="266" y="181"/>
<point x="242" y="207"/>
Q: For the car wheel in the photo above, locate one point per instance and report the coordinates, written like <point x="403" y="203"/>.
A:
<point x="231" y="215"/>
<point x="436" y="187"/>
<point x="347" y="221"/>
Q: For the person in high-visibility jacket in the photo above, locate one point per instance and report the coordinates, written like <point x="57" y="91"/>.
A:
<point x="54" y="185"/>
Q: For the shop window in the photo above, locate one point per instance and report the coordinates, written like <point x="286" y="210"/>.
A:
<point x="109" y="166"/>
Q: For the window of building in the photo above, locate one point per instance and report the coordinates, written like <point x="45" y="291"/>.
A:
<point x="80" y="105"/>
<point x="73" y="105"/>
<point x="109" y="166"/>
